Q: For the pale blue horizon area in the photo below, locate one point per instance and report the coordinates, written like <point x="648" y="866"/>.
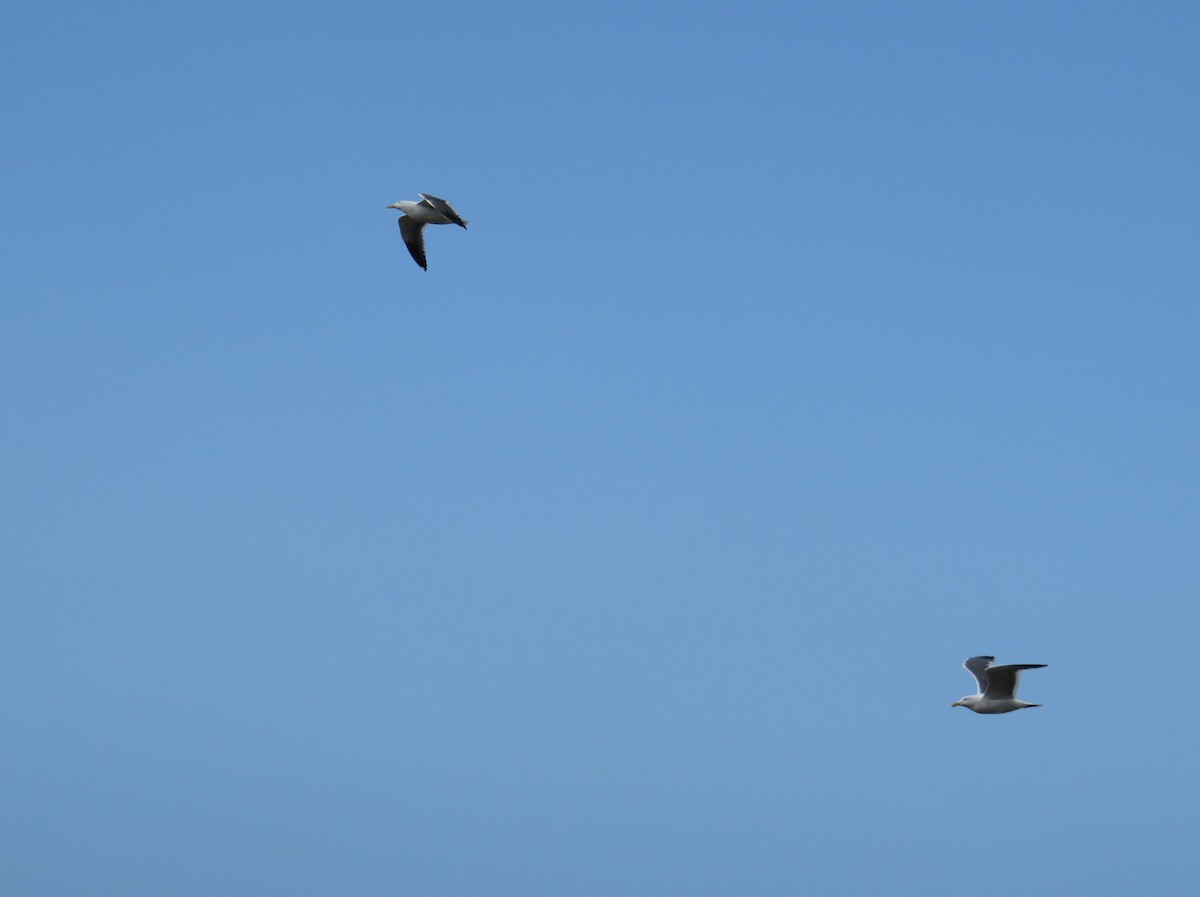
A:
<point x="795" y="353"/>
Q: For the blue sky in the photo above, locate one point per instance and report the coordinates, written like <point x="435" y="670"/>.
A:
<point x="795" y="353"/>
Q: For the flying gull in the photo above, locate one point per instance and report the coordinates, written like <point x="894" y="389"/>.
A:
<point x="429" y="210"/>
<point x="997" y="686"/>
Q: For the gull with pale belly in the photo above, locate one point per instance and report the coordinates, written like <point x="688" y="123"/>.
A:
<point x="997" y="685"/>
<point x="417" y="214"/>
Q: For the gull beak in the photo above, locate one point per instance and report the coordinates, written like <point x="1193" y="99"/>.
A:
<point x="394" y="205"/>
<point x="956" y="704"/>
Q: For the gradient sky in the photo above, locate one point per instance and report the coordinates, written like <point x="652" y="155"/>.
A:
<point x="795" y="353"/>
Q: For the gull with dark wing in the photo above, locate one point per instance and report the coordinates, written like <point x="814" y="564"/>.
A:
<point x="427" y="210"/>
<point x="997" y="685"/>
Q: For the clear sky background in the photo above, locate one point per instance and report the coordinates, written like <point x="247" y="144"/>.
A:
<point x="795" y="353"/>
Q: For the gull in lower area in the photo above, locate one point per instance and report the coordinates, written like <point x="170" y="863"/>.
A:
<point x="997" y="685"/>
<point x="427" y="210"/>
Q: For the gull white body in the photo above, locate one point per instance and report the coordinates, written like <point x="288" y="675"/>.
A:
<point x="997" y="686"/>
<point x="420" y="211"/>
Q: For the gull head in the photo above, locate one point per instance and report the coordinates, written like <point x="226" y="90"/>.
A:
<point x="968" y="701"/>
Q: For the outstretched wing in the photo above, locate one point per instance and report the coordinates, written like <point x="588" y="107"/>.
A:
<point x="1003" y="680"/>
<point x="440" y="205"/>
<point x="414" y="238"/>
<point x="978" y="667"/>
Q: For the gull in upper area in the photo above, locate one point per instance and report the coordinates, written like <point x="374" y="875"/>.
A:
<point x="997" y="685"/>
<point x="427" y="210"/>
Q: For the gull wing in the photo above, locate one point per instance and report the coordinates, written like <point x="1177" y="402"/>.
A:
<point x="413" y="233"/>
<point x="978" y="667"/>
<point x="440" y="205"/>
<point x="1002" y="681"/>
